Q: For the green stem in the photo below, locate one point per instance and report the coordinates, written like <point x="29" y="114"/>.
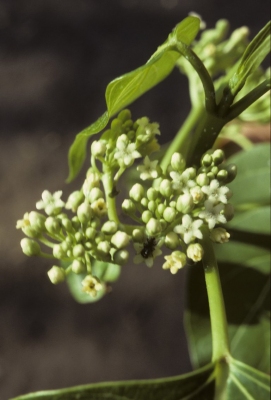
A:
<point x="220" y="339"/>
<point x="108" y="183"/>
<point x="180" y="141"/>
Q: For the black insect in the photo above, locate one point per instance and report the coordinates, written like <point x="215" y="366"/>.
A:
<point x="148" y="247"/>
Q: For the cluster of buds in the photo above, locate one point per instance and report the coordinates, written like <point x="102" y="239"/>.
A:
<point x="177" y="206"/>
<point x="171" y="208"/>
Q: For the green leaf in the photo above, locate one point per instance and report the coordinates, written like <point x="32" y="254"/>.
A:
<point x="256" y="220"/>
<point x="253" y="56"/>
<point x="246" y="383"/>
<point x="129" y="87"/>
<point x="198" y="385"/>
<point x="252" y="183"/>
<point x="247" y="299"/>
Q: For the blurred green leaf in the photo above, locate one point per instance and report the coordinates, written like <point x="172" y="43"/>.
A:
<point x="253" y="56"/>
<point x="256" y="220"/>
<point x="129" y="87"/>
<point x="252" y="184"/>
<point x="198" y="385"/>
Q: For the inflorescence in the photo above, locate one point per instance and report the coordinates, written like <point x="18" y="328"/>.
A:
<point x="168" y="209"/>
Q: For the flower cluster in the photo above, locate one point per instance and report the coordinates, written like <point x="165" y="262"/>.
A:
<point x="170" y="208"/>
<point x="178" y="206"/>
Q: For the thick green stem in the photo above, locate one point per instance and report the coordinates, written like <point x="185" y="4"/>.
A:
<point x="180" y="143"/>
<point x="108" y="183"/>
<point x="219" y="327"/>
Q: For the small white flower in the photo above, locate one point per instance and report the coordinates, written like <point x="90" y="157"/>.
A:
<point x="149" y="260"/>
<point x="99" y="207"/>
<point x="147" y="130"/>
<point x="51" y="203"/>
<point x="189" y="229"/>
<point x="212" y="214"/>
<point x="176" y="177"/>
<point x="148" y="170"/>
<point x="91" y="285"/>
<point x="195" y="252"/>
<point x="175" y="261"/>
<point x="215" y="193"/>
<point x="126" y="152"/>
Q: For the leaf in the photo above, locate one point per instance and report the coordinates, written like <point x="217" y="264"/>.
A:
<point x="253" y="56"/>
<point x="247" y="299"/>
<point x="106" y="272"/>
<point x="252" y="183"/>
<point x="256" y="220"/>
<point x="198" y="385"/>
<point x="246" y="383"/>
<point x="129" y="87"/>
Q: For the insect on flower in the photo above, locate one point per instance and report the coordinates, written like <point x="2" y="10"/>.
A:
<point x="148" y="247"/>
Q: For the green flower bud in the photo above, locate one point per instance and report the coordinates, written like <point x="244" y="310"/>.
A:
<point x="74" y="200"/>
<point x="37" y="221"/>
<point x="219" y="235"/>
<point x="30" y="247"/>
<point x="153" y="227"/>
<point x="116" y="125"/>
<point x="98" y="148"/>
<point x="144" y="202"/>
<point x="218" y="156"/>
<point x="56" y="274"/>
<point x="92" y="180"/>
<point x="78" y="250"/>
<point x="67" y="224"/>
<point x="79" y="237"/>
<point x="169" y="214"/>
<point x="75" y="223"/>
<point x="120" y="239"/>
<point x="121" y="257"/>
<point x="190" y="173"/>
<point x="185" y="203"/>
<point x="161" y="207"/>
<point x="202" y="179"/>
<point x="128" y="206"/>
<point x="172" y="240"/>
<point x="214" y="170"/>
<point x="110" y="227"/>
<point x="156" y="183"/>
<point x="146" y="216"/>
<point x="173" y="204"/>
<point x="222" y="175"/>
<point x="165" y="188"/>
<point x="138" y="235"/>
<point x="124" y="115"/>
<point x="232" y="172"/>
<point x="195" y="252"/>
<point x="177" y="162"/>
<point x="104" y="247"/>
<point x="90" y="233"/>
<point x="137" y="192"/>
<point x="206" y="160"/>
<point x="58" y="251"/>
<point x="210" y="175"/>
<point x="152" y="194"/>
<point x="31" y="232"/>
<point x="95" y="194"/>
<point x="52" y="225"/>
<point x="152" y="206"/>
<point x="84" y="213"/>
<point x="78" y="267"/>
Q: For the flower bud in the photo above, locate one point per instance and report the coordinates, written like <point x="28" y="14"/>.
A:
<point x="195" y="252"/>
<point x="128" y="206"/>
<point x="197" y="194"/>
<point x="152" y="206"/>
<point x="206" y="160"/>
<point x="124" y="115"/>
<point x="74" y="200"/>
<point x="78" y="250"/>
<point x="165" y="188"/>
<point x="177" y="162"/>
<point x="228" y="211"/>
<point x="30" y="247"/>
<point x="153" y="227"/>
<point x="137" y="192"/>
<point x="146" y="216"/>
<point x="92" y="180"/>
<point x="110" y="227"/>
<point x="79" y="237"/>
<point x="104" y="247"/>
<point x="78" y="267"/>
<point x="172" y="240"/>
<point x="90" y="233"/>
<point x="84" y="213"/>
<point x="185" y="203"/>
<point x="144" y="202"/>
<point x="160" y="208"/>
<point x="138" y="235"/>
<point x="98" y="148"/>
<point x="218" y="156"/>
<point x="120" y="239"/>
<point x="95" y="194"/>
<point x="232" y="172"/>
<point x="152" y="194"/>
<point x="58" y="251"/>
<point x="121" y="257"/>
<point x="202" y="179"/>
<point x="37" y="220"/>
<point x="222" y="175"/>
<point x="56" y="274"/>
<point x="52" y="225"/>
<point x="169" y="214"/>
<point x="189" y="173"/>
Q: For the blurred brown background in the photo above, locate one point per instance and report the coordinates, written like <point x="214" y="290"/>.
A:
<point x="57" y="57"/>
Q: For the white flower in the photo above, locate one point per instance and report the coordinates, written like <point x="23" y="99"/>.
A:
<point x="99" y="207"/>
<point x="91" y="285"/>
<point x="177" y="180"/>
<point x="195" y="252"/>
<point x="189" y="229"/>
<point x="147" y="130"/>
<point x="149" y="260"/>
<point x="212" y="214"/>
<point x="148" y="170"/>
<point x="175" y="261"/>
<point x="51" y="203"/>
<point x="183" y="180"/>
<point x="215" y="193"/>
<point x="126" y="152"/>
